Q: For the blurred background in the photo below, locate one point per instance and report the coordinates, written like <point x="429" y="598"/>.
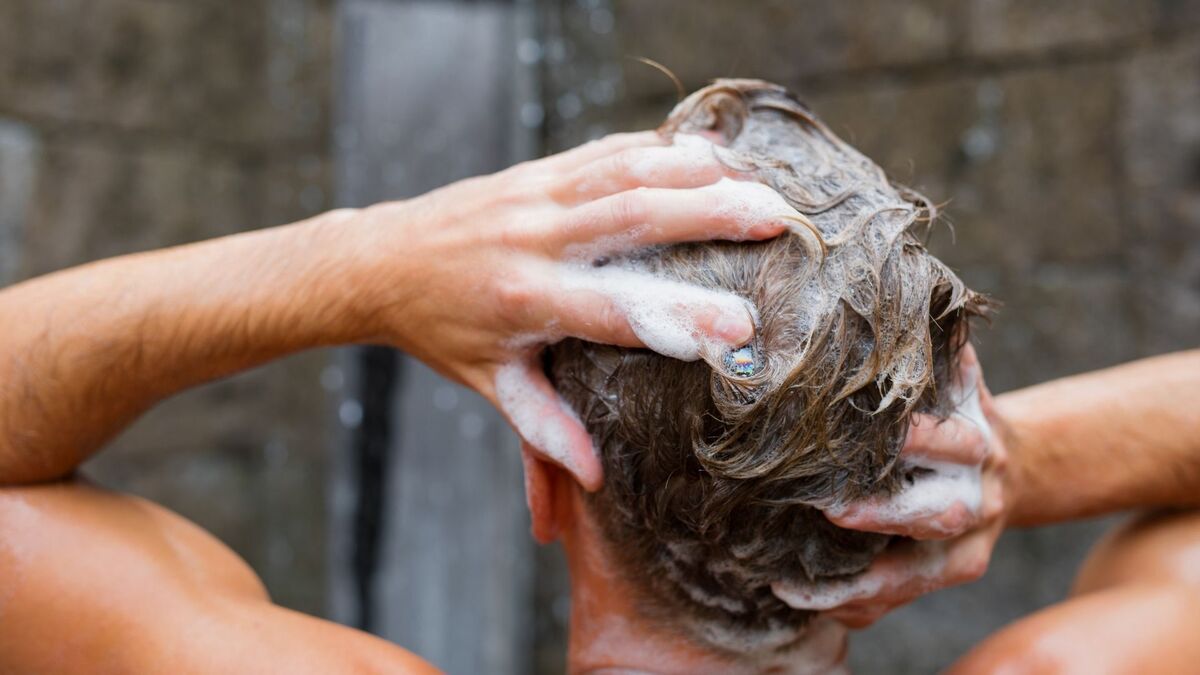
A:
<point x="1066" y="136"/>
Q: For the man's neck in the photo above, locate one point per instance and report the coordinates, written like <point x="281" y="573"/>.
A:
<point x="613" y="643"/>
<point x="609" y="635"/>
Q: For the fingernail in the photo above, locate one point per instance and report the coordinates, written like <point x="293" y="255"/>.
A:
<point x="735" y="329"/>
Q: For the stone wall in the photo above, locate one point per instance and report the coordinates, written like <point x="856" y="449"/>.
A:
<point x="1065" y="135"/>
<point x="134" y="124"/>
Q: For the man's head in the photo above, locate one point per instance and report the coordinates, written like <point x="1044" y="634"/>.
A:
<point x="716" y="470"/>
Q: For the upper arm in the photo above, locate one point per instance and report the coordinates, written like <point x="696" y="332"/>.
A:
<point x="1134" y="629"/>
<point x="1136" y="609"/>
<point x="91" y="581"/>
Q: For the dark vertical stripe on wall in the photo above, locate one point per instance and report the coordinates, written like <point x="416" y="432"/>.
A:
<point x="371" y="444"/>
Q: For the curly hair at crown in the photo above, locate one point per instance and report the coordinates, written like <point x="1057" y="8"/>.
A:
<point x="715" y="475"/>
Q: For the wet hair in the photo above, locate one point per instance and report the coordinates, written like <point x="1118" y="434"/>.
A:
<point x="715" y="470"/>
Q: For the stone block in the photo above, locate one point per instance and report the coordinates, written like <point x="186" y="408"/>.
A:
<point x="9" y="32"/>
<point x="103" y="197"/>
<point x="1004" y="27"/>
<point x="231" y="72"/>
<point x="114" y="61"/>
<point x="1054" y="321"/>
<point x="1160" y="139"/>
<point x="20" y="155"/>
<point x="298" y="88"/>
<point x="777" y="40"/>
<point x="1175" y="15"/>
<point x="1027" y="160"/>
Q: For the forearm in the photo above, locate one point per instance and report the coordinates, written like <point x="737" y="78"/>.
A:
<point x="1125" y="437"/>
<point x="85" y="351"/>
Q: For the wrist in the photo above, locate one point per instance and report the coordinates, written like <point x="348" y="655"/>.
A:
<point x="365" y="276"/>
<point x="315" y="282"/>
<point x="1019" y="479"/>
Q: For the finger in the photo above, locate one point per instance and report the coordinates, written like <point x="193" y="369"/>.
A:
<point x="591" y="151"/>
<point x="899" y="575"/>
<point x="970" y="359"/>
<point x="590" y="314"/>
<point x="883" y="517"/>
<point x="938" y="501"/>
<point x="731" y="210"/>
<point x="993" y="492"/>
<point x="906" y="572"/>
<point x="860" y="615"/>
<point x="826" y="595"/>
<point x="956" y="440"/>
<point x="675" y="319"/>
<point x="690" y="162"/>
<point x="546" y="422"/>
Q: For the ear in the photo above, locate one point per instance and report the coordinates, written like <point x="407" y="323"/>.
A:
<point x="540" y="481"/>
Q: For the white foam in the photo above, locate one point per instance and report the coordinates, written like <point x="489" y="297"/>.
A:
<point x="933" y="492"/>
<point x="685" y="149"/>
<point x="926" y="567"/>
<point x="747" y="204"/>
<point x="688" y="153"/>
<point x="525" y="404"/>
<point x="661" y="312"/>
<point x="827" y="595"/>
<point x="740" y="206"/>
<point x="968" y="405"/>
<point x="936" y="485"/>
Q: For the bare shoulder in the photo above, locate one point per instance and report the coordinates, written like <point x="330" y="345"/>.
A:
<point x="1135" y="609"/>
<point x="99" y="582"/>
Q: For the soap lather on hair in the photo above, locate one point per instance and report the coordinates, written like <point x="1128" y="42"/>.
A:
<point x="717" y="470"/>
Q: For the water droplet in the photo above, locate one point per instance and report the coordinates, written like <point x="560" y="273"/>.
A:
<point x="569" y="105"/>
<point x="445" y="398"/>
<point x="471" y="425"/>
<point x="532" y="115"/>
<point x="979" y="142"/>
<point x="529" y="51"/>
<point x="350" y="413"/>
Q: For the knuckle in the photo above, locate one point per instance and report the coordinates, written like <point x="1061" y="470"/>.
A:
<point x="956" y="520"/>
<point x="629" y="209"/>
<point x="515" y="237"/>
<point x="625" y="162"/>
<point x="973" y="566"/>
<point x="515" y="294"/>
<point x="979" y="444"/>
<point x="611" y="320"/>
<point x="1000" y="460"/>
<point x="993" y="508"/>
<point x="978" y="567"/>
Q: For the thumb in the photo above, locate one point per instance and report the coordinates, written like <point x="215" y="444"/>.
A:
<point x="545" y="421"/>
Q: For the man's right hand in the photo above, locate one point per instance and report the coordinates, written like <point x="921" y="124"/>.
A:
<point x="952" y="539"/>
<point x="475" y="278"/>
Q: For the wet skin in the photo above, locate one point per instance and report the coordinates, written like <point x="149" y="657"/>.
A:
<point x="95" y="582"/>
<point x="99" y="582"/>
